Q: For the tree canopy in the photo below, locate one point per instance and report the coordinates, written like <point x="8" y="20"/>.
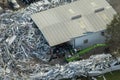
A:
<point x="113" y="30"/>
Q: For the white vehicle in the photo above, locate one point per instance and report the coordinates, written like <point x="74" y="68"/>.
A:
<point x="13" y="4"/>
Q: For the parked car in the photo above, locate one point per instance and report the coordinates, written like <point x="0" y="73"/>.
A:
<point x="14" y="4"/>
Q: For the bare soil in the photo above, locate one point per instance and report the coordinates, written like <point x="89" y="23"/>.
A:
<point x="4" y="4"/>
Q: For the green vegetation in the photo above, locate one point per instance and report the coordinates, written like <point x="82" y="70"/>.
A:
<point x="111" y="76"/>
<point x="90" y="48"/>
<point x="113" y="31"/>
<point x="81" y="52"/>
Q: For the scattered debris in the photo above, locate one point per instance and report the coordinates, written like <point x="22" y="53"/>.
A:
<point x="21" y="42"/>
<point x="104" y="78"/>
<point x="78" y="68"/>
<point x="13" y="4"/>
<point x="11" y="39"/>
<point x="93" y="78"/>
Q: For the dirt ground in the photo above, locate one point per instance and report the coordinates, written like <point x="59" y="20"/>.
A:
<point x="95" y="51"/>
<point x="4" y="4"/>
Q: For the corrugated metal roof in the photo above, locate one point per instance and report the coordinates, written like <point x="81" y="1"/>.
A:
<point x="63" y="23"/>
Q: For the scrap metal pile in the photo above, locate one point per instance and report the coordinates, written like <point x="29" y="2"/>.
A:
<point x="54" y="2"/>
<point x="72" y="69"/>
<point x="21" y="42"/>
<point x="28" y="69"/>
<point x="19" y="36"/>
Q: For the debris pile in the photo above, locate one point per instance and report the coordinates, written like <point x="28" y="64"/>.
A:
<point x="19" y="33"/>
<point x="21" y="43"/>
<point x="48" y="1"/>
<point x="95" y="65"/>
<point x="20" y="36"/>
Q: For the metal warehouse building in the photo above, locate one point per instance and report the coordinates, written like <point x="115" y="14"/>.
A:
<point x="80" y="23"/>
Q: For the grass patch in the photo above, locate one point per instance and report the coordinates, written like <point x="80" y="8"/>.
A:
<point x="115" y="75"/>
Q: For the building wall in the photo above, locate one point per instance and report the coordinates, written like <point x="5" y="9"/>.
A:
<point x="93" y="38"/>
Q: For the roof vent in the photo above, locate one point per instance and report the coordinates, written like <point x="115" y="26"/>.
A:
<point x="99" y="10"/>
<point x="76" y="17"/>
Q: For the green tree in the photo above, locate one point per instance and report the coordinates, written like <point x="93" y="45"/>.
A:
<point x="113" y="31"/>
